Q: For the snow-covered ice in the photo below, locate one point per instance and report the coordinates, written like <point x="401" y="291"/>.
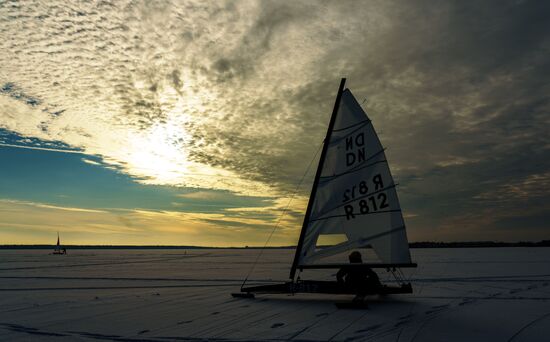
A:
<point x="478" y="294"/>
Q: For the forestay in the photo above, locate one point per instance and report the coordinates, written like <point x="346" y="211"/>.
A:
<point x="355" y="196"/>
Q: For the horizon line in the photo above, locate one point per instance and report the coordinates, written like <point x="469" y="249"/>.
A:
<point x="418" y="244"/>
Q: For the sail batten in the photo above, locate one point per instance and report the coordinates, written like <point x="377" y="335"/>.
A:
<point x="329" y="178"/>
<point x="354" y="194"/>
<point x="357" y="124"/>
<point x="336" y="141"/>
<point x="359" y="214"/>
<point x="351" y="201"/>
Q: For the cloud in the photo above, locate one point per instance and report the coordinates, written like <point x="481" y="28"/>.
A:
<point x="48" y="206"/>
<point x="237" y="96"/>
<point x="91" y="162"/>
<point x="204" y="195"/>
<point x="32" y="222"/>
<point x="44" y="149"/>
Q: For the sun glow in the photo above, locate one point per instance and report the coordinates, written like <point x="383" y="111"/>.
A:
<point x="159" y="153"/>
<point x="160" y="156"/>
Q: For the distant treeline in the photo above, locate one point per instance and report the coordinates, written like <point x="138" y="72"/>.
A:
<point x="471" y="244"/>
<point x="114" y="247"/>
<point x="427" y="244"/>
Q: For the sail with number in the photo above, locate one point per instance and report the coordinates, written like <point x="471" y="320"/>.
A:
<point x="353" y="206"/>
<point x="354" y="197"/>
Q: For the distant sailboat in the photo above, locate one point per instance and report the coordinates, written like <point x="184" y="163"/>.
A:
<point x="58" y="249"/>
<point x="354" y="204"/>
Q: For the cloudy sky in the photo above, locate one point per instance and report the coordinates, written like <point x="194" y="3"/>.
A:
<point x="193" y="122"/>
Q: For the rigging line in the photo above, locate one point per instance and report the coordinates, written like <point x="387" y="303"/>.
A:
<point x="282" y="214"/>
<point x="338" y="139"/>
<point x="355" y="124"/>
<point x="357" y="214"/>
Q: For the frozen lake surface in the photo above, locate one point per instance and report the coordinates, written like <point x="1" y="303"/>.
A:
<point x="478" y="294"/>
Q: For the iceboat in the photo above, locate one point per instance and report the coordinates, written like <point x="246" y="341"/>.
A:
<point x="58" y="250"/>
<point x="353" y="203"/>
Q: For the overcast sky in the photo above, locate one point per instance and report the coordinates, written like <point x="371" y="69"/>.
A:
<point x="193" y="122"/>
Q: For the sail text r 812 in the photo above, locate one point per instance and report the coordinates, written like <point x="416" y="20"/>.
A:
<point x="366" y="204"/>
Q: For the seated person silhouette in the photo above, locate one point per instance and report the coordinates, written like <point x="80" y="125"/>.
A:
<point x="360" y="280"/>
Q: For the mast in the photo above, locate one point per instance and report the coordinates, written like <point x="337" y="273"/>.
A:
<point x="316" y="181"/>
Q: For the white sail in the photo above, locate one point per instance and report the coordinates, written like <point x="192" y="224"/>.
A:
<point x="356" y="195"/>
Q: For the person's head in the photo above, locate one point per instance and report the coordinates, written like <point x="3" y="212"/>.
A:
<point x="355" y="257"/>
